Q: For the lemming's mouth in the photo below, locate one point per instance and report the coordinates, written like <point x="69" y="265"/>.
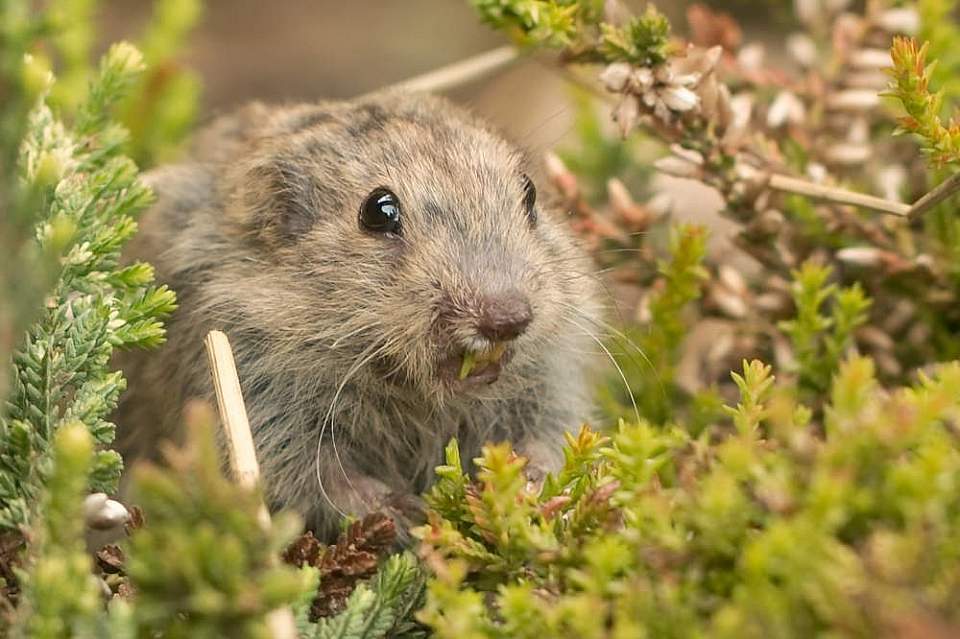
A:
<point x="470" y="367"/>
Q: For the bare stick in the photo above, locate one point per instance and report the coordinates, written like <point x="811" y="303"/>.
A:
<point x="832" y="194"/>
<point x="242" y="454"/>
<point x="943" y="190"/>
<point x="233" y="412"/>
<point x="460" y="73"/>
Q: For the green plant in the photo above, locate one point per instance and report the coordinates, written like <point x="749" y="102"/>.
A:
<point x="88" y="192"/>
<point x="381" y="607"/>
<point x="60" y="595"/>
<point x="648" y="354"/>
<point x="356" y="594"/>
<point x="578" y="27"/>
<point x="911" y="86"/>
<point x="70" y="198"/>
<point x="162" y="108"/>
<point x="759" y="528"/>
<point x="821" y="341"/>
<point x="938" y="27"/>
<point x="205" y="564"/>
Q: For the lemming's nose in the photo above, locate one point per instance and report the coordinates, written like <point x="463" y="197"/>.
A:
<point x="504" y="316"/>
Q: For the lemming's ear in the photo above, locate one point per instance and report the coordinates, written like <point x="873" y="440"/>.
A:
<point x="280" y="199"/>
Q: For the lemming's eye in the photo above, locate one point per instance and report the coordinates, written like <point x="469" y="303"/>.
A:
<point x="380" y="212"/>
<point x="529" y="198"/>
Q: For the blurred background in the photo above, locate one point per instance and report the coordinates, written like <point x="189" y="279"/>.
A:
<point x="290" y="50"/>
<point x="296" y="50"/>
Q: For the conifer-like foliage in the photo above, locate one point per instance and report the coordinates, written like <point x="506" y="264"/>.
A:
<point x="911" y="86"/>
<point x="939" y="29"/>
<point x="161" y="109"/>
<point x="376" y="608"/>
<point x="761" y="528"/>
<point x="61" y="596"/>
<point x="819" y="339"/>
<point x="205" y="564"/>
<point x="648" y="356"/>
<point x="88" y="192"/>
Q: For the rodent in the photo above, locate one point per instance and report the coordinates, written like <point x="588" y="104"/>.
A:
<point x="356" y="253"/>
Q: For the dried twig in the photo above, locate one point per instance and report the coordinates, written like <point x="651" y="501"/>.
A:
<point x="243" y="456"/>
<point x="944" y="190"/>
<point x="460" y="73"/>
<point x="833" y="194"/>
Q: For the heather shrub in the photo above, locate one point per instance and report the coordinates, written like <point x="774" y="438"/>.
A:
<point x="776" y="451"/>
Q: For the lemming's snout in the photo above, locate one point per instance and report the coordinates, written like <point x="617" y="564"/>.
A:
<point x="504" y="316"/>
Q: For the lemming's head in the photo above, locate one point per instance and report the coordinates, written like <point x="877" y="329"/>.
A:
<point x="413" y="241"/>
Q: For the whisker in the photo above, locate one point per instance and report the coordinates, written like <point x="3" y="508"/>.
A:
<point x="372" y="351"/>
<point x="626" y="385"/>
<point x="625" y="341"/>
<point x="599" y="323"/>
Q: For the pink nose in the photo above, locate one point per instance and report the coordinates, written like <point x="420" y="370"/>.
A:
<point x="504" y="316"/>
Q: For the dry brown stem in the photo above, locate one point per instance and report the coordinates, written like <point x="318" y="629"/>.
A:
<point x="459" y="73"/>
<point x="833" y="194"/>
<point x="943" y="191"/>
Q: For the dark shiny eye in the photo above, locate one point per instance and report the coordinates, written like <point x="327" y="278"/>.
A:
<point x="530" y="198"/>
<point x="380" y="212"/>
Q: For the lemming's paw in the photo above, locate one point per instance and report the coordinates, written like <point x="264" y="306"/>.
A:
<point x="535" y="477"/>
<point x="541" y="459"/>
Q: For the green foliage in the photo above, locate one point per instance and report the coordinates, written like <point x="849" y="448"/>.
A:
<point x="205" y="565"/>
<point x="770" y="530"/>
<point x="88" y="194"/>
<point x="163" y="106"/>
<point x="938" y="26"/>
<point x="554" y="23"/>
<point x="71" y="41"/>
<point x="820" y="341"/>
<point x="911" y="87"/>
<point x="60" y="595"/>
<point x="579" y="28"/>
<point x="643" y="40"/>
<point x="682" y="277"/>
<point x="649" y="363"/>
<point x="755" y="385"/>
<point x="28" y="271"/>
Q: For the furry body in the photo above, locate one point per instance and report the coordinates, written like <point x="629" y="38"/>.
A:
<point x="346" y="333"/>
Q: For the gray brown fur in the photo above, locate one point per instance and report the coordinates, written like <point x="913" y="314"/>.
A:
<point x="258" y="234"/>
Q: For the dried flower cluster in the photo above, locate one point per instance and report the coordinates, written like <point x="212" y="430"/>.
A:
<point x="354" y="558"/>
<point x="776" y="143"/>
